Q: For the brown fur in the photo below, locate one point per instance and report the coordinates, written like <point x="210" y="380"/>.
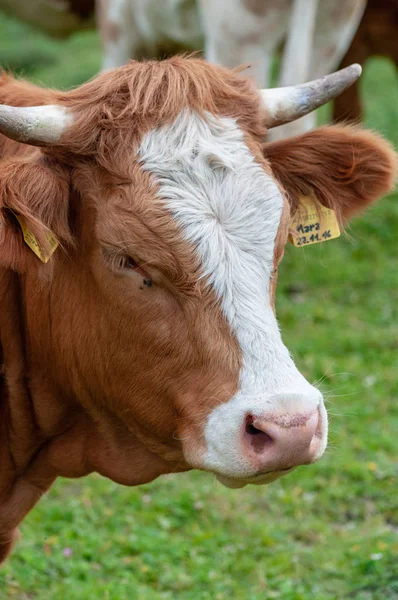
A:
<point x="121" y="104"/>
<point x="345" y="167"/>
<point x="99" y="372"/>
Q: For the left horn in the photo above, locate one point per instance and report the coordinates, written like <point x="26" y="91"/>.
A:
<point x="289" y="103"/>
<point x="35" y="125"/>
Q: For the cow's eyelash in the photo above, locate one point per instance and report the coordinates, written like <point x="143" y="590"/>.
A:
<point x="118" y="260"/>
<point x="124" y="262"/>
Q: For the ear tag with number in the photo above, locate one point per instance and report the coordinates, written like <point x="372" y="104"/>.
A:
<point x="31" y="241"/>
<point x="313" y="223"/>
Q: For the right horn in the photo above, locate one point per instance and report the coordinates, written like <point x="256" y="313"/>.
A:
<point x="287" y="104"/>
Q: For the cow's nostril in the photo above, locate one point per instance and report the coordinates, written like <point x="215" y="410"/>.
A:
<point x="258" y="439"/>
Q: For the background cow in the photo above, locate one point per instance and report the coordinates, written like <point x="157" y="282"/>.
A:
<point x="313" y="28"/>
<point x="235" y="32"/>
<point x="148" y="342"/>
<point x="231" y="32"/>
<point x="58" y="19"/>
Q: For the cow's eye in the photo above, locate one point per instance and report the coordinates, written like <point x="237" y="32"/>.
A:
<point x="125" y="262"/>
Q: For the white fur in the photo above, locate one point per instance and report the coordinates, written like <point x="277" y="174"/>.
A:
<point x="229" y="209"/>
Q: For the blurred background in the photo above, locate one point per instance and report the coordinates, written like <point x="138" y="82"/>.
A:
<point x="329" y="531"/>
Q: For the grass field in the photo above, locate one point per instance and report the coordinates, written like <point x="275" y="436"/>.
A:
<point x="329" y="531"/>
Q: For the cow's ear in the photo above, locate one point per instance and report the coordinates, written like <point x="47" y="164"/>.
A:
<point x="34" y="197"/>
<point x="346" y="168"/>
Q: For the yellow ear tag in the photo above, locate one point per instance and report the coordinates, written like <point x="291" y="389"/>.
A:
<point x="31" y="240"/>
<point x="313" y="223"/>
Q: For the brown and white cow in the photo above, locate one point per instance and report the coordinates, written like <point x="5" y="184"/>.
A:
<point x="148" y="343"/>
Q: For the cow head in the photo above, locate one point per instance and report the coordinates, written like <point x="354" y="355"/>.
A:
<point x="172" y="216"/>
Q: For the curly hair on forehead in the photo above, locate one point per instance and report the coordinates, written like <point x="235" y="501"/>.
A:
<point x="115" y="108"/>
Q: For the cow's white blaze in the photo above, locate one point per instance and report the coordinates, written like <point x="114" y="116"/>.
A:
<point x="230" y="209"/>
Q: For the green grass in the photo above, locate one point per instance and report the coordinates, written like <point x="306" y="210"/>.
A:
<point x="329" y="531"/>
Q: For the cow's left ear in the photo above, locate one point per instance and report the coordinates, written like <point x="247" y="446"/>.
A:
<point x="346" y="168"/>
<point x="34" y="200"/>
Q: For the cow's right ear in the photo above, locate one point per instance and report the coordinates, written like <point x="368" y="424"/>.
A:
<point x="344" y="167"/>
<point x="34" y="191"/>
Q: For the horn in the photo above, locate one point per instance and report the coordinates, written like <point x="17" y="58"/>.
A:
<point x="289" y="103"/>
<point x="35" y="125"/>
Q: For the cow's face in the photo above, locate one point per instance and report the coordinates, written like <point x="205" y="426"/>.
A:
<point x="172" y="329"/>
<point x="262" y="416"/>
<point x="184" y="259"/>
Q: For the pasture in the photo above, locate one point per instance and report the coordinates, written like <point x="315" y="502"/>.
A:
<point x="329" y="531"/>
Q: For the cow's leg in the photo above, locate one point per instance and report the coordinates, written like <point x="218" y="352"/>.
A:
<point x="119" y="35"/>
<point x="239" y="32"/>
<point x="333" y="42"/>
<point x="296" y="61"/>
<point x="319" y="34"/>
<point x="336" y="25"/>
<point x="347" y="106"/>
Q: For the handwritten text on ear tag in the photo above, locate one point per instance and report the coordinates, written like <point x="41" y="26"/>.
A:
<point x="31" y="240"/>
<point x="313" y="223"/>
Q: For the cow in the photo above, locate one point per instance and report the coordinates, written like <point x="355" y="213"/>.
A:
<point x="58" y="19"/>
<point x="231" y="32"/>
<point x="375" y="36"/>
<point x="142" y="222"/>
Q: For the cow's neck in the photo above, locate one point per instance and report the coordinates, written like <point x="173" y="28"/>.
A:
<point x="19" y="435"/>
<point x="26" y="461"/>
<point x="37" y="406"/>
<point x="30" y="403"/>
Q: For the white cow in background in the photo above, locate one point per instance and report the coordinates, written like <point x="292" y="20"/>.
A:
<point x="236" y="32"/>
<point x="317" y="33"/>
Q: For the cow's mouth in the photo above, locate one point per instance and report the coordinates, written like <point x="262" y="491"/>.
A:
<point x="260" y="479"/>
